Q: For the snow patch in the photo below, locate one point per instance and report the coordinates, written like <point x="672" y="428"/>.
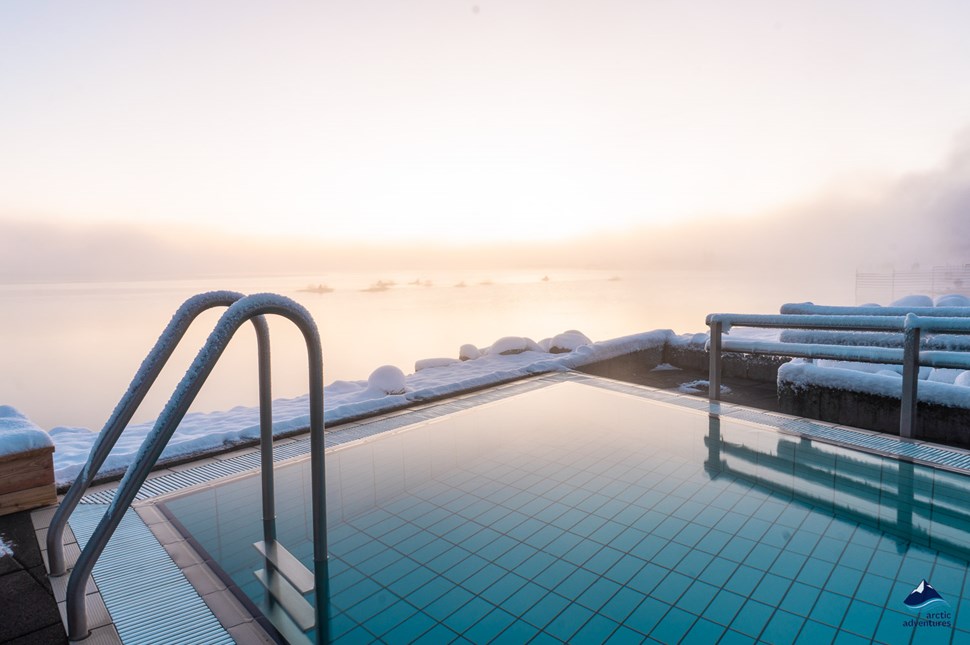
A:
<point x="387" y="379"/>
<point x="700" y="387"/>
<point x="5" y="548"/>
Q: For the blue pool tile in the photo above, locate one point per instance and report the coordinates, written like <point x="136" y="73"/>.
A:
<point x="625" y="568"/>
<point x="358" y="635"/>
<point x="576" y="583"/>
<point x="800" y="599"/>
<point x="815" y="633"/>
<point x="386" y="617"/>
<point x="582" y="552"/>
<point x="737" y="549"/>
<point x="489" y="627"/>
<point x="356" y="593"/>
<point x="524" y="598"/>
<point x="830" y="608"/>
<point x="771" y="588"/>
<point x="816" y="572"/>
<point x="671" y="555"/>
<point x="415" y="579"/>
<point x="673" y="626"/>
<point x="622" y="604"/>
<point x="480" y="539"/>
<point x="691" y="534"/>
<point x="516" y="633"/>
<point x="704" y="631"/>
<point x="569" y="621"/>
<point x="603" y="560"/>
<point x="744" y="580"/>
<point x="545" y="610"/>
<point x="627" y="539"/>
<point x="554" y="574"/>
<point x="874" y="589"/>
<point x="515" y="556"/>
<point x="848" y="638"/>
<point x="697" y="597"/>
<point x="504" y="587"/>
<point x="672" y="587"/>
<point x="448" y="604"/>
<point x="669" y="527"/>
<point x="608" y="532"/>
<point x="535" y="564"/>
<point x="731" y="637"/>
<point x="429" y="592"/>
<point x="893" y="628"/>
<point x="483" y="579"/>
<point x="856" y="556"/>
<point x="411" y="629"/>
<point x="762" y="557"/>
<point x="598" y="594"/>
<point x="788" y="564"/>
<point x="844" y="580"/>
<point x="861" y="618"/>
<point x="648" y="547"/>
<point x="754" y="529"/>
<point x="624" y="636"/>
<point x="562" y="544"/>
<point x="462" y="570"/>
<point x="647" y="614"/>
<point x="724" y="607"/>
<point x="694" y="563"/>
<point x="597" y="629"/>
<point x="781" y="627"/>
<point x="718" y="572"/>
<point x="467" y="615"/>
<point x="752" y="618"/>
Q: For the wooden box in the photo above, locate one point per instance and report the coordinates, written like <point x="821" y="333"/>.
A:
<point x="27" y="480"/>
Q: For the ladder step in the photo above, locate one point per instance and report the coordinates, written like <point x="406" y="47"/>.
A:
<point x="287" y="598"/>
<point x="290" y="631"/>
<point x="287" y="564"/>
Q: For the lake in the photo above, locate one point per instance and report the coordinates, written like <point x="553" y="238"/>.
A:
<point x="69" y="350"/>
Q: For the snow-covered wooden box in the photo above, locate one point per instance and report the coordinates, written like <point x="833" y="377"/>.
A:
<point x="26" y="464"/>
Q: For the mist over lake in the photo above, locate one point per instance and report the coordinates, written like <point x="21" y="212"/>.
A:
<point x="71" y="349"/>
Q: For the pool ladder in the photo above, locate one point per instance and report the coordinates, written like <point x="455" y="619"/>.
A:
<point x="284" y="576"/>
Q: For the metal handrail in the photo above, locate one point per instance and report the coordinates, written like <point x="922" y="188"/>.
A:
<point x="238" y="313"/>
<point x="141" y="383"/>
<point x="911" y="359"/>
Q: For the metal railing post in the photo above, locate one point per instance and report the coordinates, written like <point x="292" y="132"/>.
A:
<point x="910" y="391"/>
<point x="244" y="309"/>
<point x="714" y="376"/>
<point x="141" y="383"/>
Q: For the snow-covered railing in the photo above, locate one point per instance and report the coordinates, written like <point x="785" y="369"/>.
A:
<point x="910" y="356"/>
<point x="811" y="309"/>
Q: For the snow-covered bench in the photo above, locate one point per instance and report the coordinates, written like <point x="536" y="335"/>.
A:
<point x="910" y="356"/>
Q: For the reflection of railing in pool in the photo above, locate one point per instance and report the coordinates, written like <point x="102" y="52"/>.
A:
<point x="943" y="320"/>
<point x="896" y="497"/>
<point x="278" y="566"/>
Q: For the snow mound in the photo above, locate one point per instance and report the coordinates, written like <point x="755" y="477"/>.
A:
<point x="514" y="345"/>
<point x="952" y="300"/>
<point x="468" y="353"/>
<point x="567" y="341"/>
<point x="387" y="379"/>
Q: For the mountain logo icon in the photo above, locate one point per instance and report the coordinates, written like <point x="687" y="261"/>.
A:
<point x="922" y="596"/>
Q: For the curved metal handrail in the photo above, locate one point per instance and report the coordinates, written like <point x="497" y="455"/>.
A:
<point x="140" y="384"/>
<point x="238" y="313"/>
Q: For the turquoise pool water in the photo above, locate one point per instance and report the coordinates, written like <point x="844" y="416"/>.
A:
<point x="574" y="513"/>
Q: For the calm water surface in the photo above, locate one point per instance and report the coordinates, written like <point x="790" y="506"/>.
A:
<point x="68" y="351"/>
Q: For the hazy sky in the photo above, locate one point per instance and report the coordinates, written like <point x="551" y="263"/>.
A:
<point x="454" y="120"/>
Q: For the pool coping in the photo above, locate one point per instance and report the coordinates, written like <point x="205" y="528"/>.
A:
<point x="240" y="623"/>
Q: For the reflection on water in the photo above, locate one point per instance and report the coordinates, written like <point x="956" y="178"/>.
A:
<point x="70" y="350"/>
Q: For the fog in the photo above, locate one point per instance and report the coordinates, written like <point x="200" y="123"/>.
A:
<point x="917" y="219"/>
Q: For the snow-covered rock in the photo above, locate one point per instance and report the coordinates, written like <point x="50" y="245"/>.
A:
<point x="952" y="300"/>
<point x="388" y="379"/>
<point x="514" y="345"/>
<point x="915" y="300"/>
<point x="568" y="341"/>
<point x="468" y="352"/>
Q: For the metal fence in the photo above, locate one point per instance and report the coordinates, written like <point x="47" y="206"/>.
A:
<point x="885" y="287"/>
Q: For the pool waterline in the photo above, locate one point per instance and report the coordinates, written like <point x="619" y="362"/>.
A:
<point x="563" y="548"/>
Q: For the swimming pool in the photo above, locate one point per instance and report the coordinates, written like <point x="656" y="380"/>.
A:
<point x="579" y="513"/>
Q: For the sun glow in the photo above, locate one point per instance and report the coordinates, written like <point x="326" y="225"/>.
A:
<point x="380" y="121"/>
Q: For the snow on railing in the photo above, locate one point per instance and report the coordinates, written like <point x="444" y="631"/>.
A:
<point x="910" y="356"/>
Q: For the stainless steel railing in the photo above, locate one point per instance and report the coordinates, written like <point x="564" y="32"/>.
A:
<point x="244" y="309"/>
<point x="911" y="356"/>
<point x="142" y="382"/>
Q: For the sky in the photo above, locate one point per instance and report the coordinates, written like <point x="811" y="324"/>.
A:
<point x="451" y="122"/>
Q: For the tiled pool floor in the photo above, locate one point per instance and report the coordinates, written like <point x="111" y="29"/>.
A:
<point x="713" y="530"/>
